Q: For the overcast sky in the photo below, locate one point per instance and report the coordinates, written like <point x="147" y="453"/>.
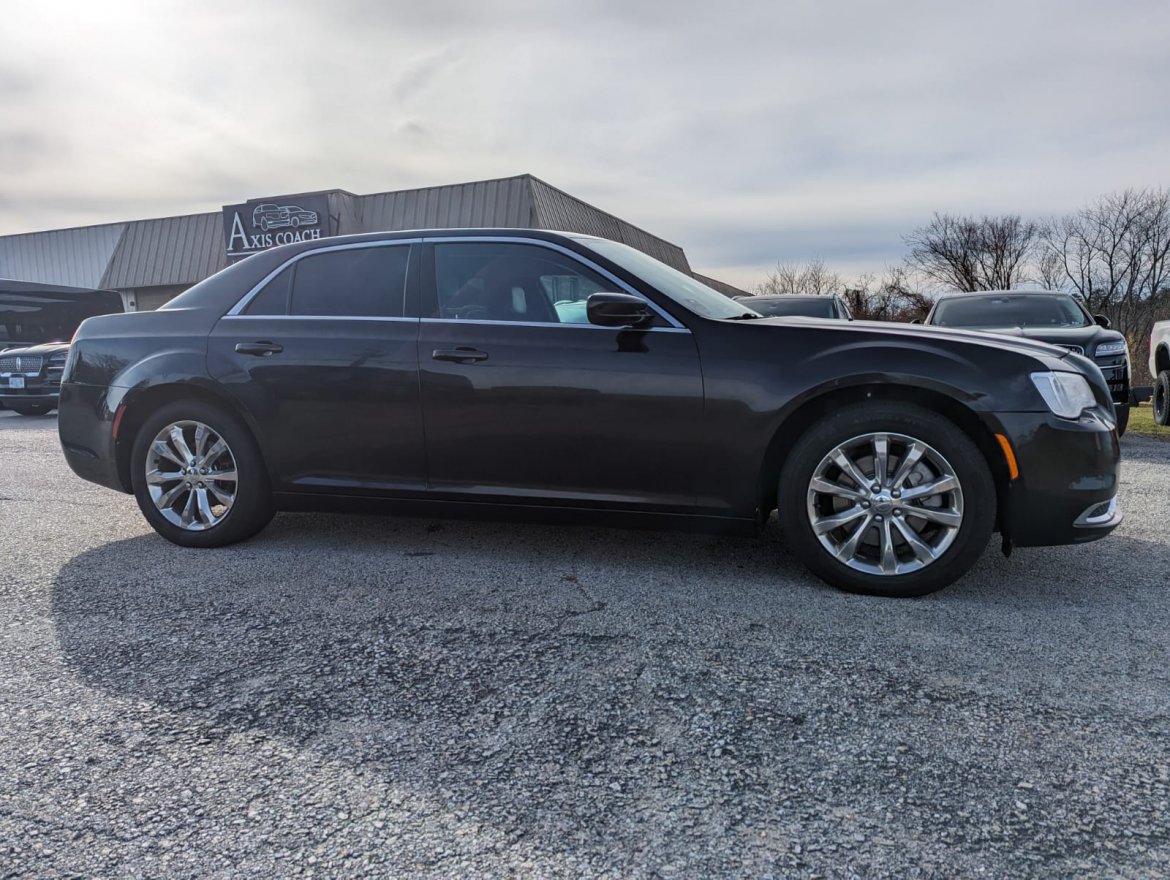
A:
<point x="745" y="132"/>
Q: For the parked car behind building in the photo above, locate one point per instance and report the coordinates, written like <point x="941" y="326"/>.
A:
<point x="797" y="305"/>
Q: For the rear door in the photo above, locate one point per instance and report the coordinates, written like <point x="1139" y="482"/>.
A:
<point x="324" y="359"/>
<point x="524" y="399"/>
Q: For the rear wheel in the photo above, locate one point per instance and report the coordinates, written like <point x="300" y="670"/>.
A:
<point x="1162" y="398"/>
<point x="198" y="476"/>
<point x="32" y="410"/>
<point x="887" y="498"/>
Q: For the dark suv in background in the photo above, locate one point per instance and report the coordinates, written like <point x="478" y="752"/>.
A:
<point x="30" y="378"/>
<point x="36" y="320"/>
<point x="1056" y="318"/>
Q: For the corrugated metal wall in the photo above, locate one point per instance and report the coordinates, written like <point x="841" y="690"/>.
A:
<point x="173" y="250"/>
<point x="490" y="203"/>
<point x="73" y="257"/>
<point x="181" y="251"/>
<point x="554" y="209"/>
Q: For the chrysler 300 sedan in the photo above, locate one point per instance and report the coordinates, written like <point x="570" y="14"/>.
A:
<point x="577" y="378"/>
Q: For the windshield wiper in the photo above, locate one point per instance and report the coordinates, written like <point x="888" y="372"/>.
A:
<point x="746" y="316"/>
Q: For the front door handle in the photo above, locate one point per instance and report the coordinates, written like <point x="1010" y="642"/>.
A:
<point x="260" y="349"/>
<point x="459" y="355"/>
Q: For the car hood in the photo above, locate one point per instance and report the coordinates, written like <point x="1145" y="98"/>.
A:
<point x="43" y="349"/>
<point x="929" y="333"/>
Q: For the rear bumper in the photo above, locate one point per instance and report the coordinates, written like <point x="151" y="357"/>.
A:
<point x="1066" y="492"/>
<point x="85" y="427"/>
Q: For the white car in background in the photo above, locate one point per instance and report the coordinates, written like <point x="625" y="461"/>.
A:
<point x="1160" y="370"/>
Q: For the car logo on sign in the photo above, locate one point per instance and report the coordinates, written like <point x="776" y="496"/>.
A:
<point x="271" y="216"/>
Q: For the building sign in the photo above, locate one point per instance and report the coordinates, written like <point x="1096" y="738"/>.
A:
<point x="264" y="223"/>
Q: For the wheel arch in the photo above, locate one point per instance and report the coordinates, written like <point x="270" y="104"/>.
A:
<point x="1161" y="358"/>
<point x="138" y="404"/>
<point x="816" y="407"/>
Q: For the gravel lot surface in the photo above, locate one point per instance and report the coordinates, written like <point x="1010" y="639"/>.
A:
<point x="348" y="696"/>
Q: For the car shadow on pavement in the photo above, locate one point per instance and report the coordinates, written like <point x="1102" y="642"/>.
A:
<point x="577" y="687"/>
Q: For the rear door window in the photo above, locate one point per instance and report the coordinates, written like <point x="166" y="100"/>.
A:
<point x="273" y="298"/>
<point x="352" y="282"/>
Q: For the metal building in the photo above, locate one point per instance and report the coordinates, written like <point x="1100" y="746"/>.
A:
<point x="151" y="261"/>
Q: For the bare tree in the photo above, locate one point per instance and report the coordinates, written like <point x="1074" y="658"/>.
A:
<point x="1049" y="269"/>
<point x="1115" y="255"/>
<point x="893" y="297"/>
<point x="1115" y="252"/>
<point x="974" y="253"/>
<point x="811" y="277"/>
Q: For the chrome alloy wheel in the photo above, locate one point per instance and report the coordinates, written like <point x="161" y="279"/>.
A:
<point x="191" y="475"/>
<point x="885" y="504"/>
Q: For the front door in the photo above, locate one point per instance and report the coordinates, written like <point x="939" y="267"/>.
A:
<point x="327" y="365"/>
<point x="523" y="397"/>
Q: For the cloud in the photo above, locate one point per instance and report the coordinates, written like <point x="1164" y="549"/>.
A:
<point x="747" y="132"/>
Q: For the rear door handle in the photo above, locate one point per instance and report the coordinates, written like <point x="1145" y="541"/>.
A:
<point x="459" y="355"/>
<point x="260" y="349"/>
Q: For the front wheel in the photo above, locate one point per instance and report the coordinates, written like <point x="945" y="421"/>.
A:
<point x="32" y="410"/>
<point x="888" y="499"/>
<point x="1162" y="398"/>
<point x="198" y="476"/>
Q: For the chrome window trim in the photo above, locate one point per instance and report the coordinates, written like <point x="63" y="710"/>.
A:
<point x="476" y="321"/>
<point x="553" y="246"/>
<point x="316" y="318"/>
<point x="236" y="310"/>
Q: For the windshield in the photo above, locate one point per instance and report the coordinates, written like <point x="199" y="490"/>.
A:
<point x="683" y="289"/>
<point x="1023" y="310"/>
<point x="821" y="307"/>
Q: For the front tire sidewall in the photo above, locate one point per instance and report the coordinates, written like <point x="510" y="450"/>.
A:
<point x="253" y="506"/>
<point x="979" y="497"/>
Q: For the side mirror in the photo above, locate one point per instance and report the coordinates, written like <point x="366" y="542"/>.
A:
<point x="1103" y="321"/>
<point x="618" y="310"/>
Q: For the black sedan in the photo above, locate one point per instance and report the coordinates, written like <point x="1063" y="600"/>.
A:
<point x="447" y="371"/>
<point x="1052" y="317"/>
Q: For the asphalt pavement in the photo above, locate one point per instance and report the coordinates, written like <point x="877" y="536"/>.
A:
<point x="347" y="696"/>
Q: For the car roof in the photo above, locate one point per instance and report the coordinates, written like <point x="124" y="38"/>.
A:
<point x="975" y="294"/>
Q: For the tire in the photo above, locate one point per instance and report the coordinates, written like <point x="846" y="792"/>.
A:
<point x="948" y="543"/>
<point x="1162" y="398"/>
<point x="1122" y="412"/>
<point x="33" y="410"/>
<point x="171" y="506"/>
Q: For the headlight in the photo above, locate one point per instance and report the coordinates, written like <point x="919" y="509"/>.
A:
<point x="1067" y="394"/>
<point x="1118" y="347"/>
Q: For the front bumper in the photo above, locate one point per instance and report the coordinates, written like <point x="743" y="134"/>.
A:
<point x="1115" y="370"/>
<point x="35" y="391"/>
<point x="33" y="398"/>
<point x="1066" y="492"/>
